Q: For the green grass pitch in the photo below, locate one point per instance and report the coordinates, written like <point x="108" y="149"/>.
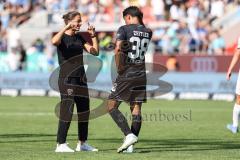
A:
<point x="189" y="130"/>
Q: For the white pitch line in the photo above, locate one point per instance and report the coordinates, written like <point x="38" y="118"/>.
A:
<point x="27" y="114"/>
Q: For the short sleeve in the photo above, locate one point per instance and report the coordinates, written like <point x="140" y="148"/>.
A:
<point x="121" y="34"/>
<point x="151" y="33"/>
<point x="238" y="44"/>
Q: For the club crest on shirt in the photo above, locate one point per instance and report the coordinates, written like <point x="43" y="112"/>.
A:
<point x="69" y="91"/>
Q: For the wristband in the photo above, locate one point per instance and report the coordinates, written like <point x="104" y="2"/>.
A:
<point x="93" y="36"/>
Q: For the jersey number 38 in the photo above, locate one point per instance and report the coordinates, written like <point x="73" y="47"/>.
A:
<point x="139" y="48"/>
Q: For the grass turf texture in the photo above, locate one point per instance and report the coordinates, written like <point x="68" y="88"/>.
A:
<point x="28" y="131"/>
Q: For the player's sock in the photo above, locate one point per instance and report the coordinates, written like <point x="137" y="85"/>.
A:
<point x="120" y="120"/>
<point x="236" y="111"/>
<point x="136" y="124"/>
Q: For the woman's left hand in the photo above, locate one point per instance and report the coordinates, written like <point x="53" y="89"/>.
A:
<point x="91" y="30"/>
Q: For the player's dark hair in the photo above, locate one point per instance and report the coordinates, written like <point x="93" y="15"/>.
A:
<point x="70" y="15"/>
<point x="135" y="12"/>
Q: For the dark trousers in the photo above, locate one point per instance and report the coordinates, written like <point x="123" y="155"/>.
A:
<point x="66" y="116"/>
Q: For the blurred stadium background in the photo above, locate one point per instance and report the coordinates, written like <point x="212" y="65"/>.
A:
<point x="194" y="39"/>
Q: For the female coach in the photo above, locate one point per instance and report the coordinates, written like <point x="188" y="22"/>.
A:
<point x="70" y="44"/>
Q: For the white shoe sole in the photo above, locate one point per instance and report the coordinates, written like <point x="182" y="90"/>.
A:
<point x="126" y="151"/>
<point x="124" y="148"/>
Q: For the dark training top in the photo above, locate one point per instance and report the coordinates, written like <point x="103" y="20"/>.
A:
<point x="130" y="84"/>
<point x="70" y="47"/>
<point x="135" y="40"/>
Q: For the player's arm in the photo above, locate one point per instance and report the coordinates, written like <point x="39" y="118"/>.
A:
<point x="56" y="39"/>
<point x="234" y="61"/>
<point x="92" y="49"/>
<point x="120" y="38"/>
<point x="118" y="56"/>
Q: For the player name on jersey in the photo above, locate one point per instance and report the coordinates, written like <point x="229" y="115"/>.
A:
<point x="141" y="34"/>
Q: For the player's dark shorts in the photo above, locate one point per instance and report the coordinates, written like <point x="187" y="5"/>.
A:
<point x="129" y="90"/>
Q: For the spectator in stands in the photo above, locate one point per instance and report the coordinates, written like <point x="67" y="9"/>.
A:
<point x="52" y="5"/>
<point x="64" y="5"/>
<point x="193" y="13"/>
<point x="217" y="9"/>
<point x="32" y="56"/>
<point x="84" y="6"/>
<point x="217" y="43"/>
<point x="23" y="57"/>
<point x="172" y="40"/>
<point x="158" y="9"/>
<point x="13" y="60"/>
<point x="89" y="8"/>
<point x="202" y="32"/>
<point x="106" y="11"/>
<point x="167" y="40"/>
<point x="39" y="45"/>
<point x="5" y="15"/>
<point x="184" y="36"/>
<point x="177" y="11"/>
<point x="37" y="58"/>
<point x="172" y="64"/>
<point x="158" y="34"/>
<point x="3" y="38"/>
<point x="20" y="12"/>
<point x="187" y="31"/>
<point x="148" y="14"/>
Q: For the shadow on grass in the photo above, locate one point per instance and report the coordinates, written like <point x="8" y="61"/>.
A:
<point x="160" y="145"/>
<point x="25" y="138"/>
<point x="186" y="145"/>
<point x="25" y="135"/>
<point x="146" y="145"/>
